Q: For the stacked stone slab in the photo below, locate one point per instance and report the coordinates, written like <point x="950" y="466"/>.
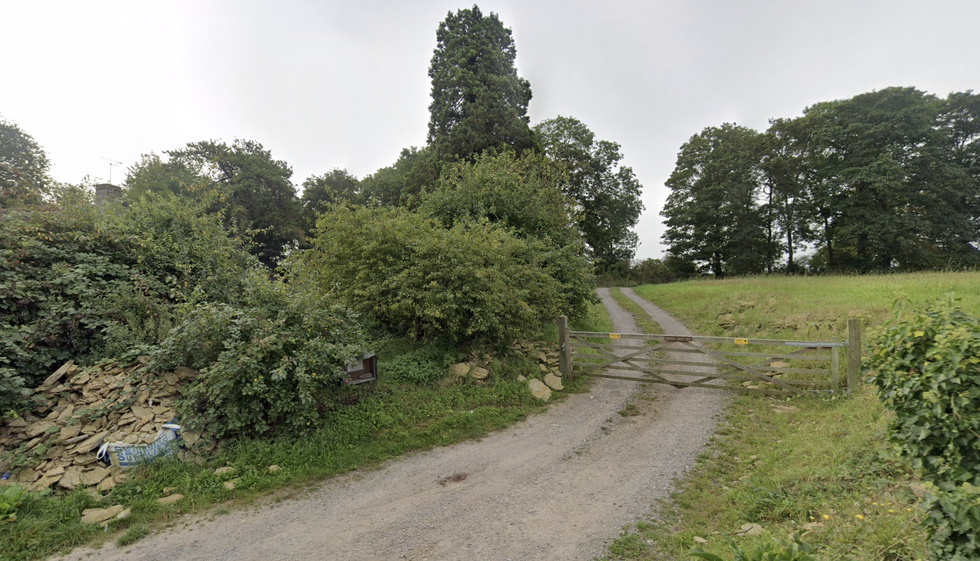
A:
<point x="548" y="359"/>
<point x="80" y="409"/>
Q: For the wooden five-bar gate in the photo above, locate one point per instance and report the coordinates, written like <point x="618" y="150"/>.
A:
<point x="767" y="366"/>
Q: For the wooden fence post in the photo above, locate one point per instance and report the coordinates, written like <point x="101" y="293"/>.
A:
<point x="853" y="354"/>
<point x="564" y="348"/>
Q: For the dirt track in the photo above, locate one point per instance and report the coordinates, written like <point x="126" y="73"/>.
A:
<point x="557" y="486"/>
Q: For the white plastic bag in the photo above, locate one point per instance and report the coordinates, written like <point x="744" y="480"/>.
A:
<point x="128" y="455"/>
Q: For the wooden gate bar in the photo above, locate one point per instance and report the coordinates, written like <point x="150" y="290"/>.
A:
<point x="744" y="368"/>
<point x="650" y="360"/>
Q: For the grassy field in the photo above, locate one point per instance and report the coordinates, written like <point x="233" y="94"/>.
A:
<point x="817" y="467"/>
<point x="380" y="423"/>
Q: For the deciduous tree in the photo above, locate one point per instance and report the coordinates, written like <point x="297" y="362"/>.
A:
<point x="255" y="191"/>
<point x="23" y="167"/>
<point x="712" y="215"/>
<point x="606" y="193"/>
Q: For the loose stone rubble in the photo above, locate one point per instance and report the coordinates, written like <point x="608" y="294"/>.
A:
<point x="55" y="444"/>
<point x="80" y="409"/>
<point x="547" y="356"/>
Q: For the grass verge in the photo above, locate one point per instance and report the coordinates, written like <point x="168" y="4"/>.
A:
<point x="378" y="423"/>
<point x="818" y="467"/>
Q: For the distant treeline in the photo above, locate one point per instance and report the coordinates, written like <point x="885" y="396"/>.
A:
<point x="886" y="180"/>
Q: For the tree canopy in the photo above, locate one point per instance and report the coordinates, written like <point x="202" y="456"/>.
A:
<point x="882" y="181"/>
<point x="607" y="194"/>
<point x="478" y="101"/>
<point x="712" y="215"/>
<point x="23" y="167"/>
<point x="243" y="181"/>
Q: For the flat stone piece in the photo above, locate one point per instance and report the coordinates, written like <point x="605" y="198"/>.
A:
<point x="141" y="412"/>
<point x="57" y="376"/>
<point x="553" y="382"/>
<point x="459" y="369"/>
<point x="38" y="428"/>
<point x="95" y="476"/>
<point x="539" y="390"/>
<point x="227" y="470"/>
<point x="749" y="529"/>
<point x="90" y="444"/>
<point x="274" y="468"/>
<point x="106" y="485"/>
<point x="190" y="437"/>
<point x="171" y="499"/>
<point x="70" y="480"/>
<point x="97" y="515"/>
<point x="69" y="432"/>
<point x="184" y="372"/>
<point x="479" y="373"/>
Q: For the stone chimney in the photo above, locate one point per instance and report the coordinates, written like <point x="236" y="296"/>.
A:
<point x="106" y="192"/>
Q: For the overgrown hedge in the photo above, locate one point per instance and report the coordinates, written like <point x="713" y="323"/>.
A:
<point x="273" y="362"/>
<point x="926" y="366"/>
<point x="474" y="280"/>
<point x="84" y="282"/>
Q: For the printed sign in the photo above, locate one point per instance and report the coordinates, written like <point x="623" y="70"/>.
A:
<point x="741" y="341"/>
<point x="677" y="338"/>
<point x="614" y="335"/>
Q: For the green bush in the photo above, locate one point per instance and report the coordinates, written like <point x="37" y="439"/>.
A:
<point x="522" y="194"/>
<point x="56" y="272"/>
<point x="475" y="280"/>
<point x="83" y="282"/>
<point x="274" y="362"/>
<point x="926" y="366"/>
<point x="953" y="521"/>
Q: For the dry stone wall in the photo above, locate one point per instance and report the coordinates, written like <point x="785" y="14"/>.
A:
<point x="55" y="444"/>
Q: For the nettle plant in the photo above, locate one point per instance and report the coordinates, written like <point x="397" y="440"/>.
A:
<point x="926" y="367"/>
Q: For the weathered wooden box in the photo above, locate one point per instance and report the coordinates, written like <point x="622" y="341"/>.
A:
<point x="363" y="370"/>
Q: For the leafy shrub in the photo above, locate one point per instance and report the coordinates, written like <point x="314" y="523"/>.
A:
<point x="522" y="194"/>
<point x="56" y="270"/>
<point x="474" y="280"/>
<point x="275" y="361"/>
<point x="80" y="282"/>
<point x="953" y="520"/>
<point x="926" y="367"/>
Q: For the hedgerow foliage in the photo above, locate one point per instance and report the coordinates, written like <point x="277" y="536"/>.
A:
<point x="273" y="362"/>
<point x="926" y="366"/>
<point x="82" y="282"/>
<point x="475" y="280"/>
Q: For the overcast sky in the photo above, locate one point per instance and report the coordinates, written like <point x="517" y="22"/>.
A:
<point x="327" y="84"/>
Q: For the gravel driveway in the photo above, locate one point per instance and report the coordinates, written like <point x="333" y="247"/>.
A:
<point x="557" y="486"/>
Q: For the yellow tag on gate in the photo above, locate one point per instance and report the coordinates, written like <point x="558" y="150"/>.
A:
<point x="741" y="341"/>
<point x="614" y="335"/>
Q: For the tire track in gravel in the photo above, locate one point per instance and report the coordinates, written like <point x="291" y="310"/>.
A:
<point x="557" y="486"/>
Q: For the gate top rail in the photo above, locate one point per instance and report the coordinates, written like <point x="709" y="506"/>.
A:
<point x="705" y="339"/>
